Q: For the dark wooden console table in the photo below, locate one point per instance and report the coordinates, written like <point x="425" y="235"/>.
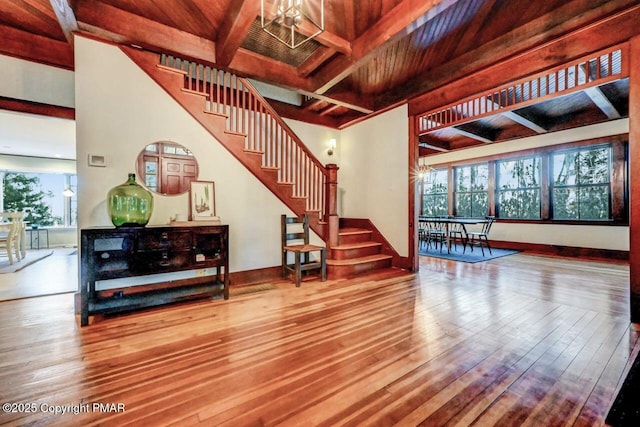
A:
<point x="114" y="253"/>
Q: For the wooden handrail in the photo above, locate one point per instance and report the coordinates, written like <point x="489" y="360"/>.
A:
<point x="250" y="115"/>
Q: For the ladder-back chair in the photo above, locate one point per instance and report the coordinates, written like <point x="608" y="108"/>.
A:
<point x="296" y="229"/>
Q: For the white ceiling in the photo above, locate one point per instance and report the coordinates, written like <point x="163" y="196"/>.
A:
<point x="37" y="136"/>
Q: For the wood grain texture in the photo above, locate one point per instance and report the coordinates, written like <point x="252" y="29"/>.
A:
<point x="520" y="340"/>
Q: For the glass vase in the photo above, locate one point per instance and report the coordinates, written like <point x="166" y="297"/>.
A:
<point x="130" y="204"/>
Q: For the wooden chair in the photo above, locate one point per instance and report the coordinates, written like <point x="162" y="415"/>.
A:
<point x="10" y="235"/>
<point x="302" y="250"/>
<point x="481" y="238"/>
<point x="436" y="233"/>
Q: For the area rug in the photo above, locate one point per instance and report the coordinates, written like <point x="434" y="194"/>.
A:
<point x="456" y="253"/>
<point x="625" y="410"/>
<point x="30" y="258"/>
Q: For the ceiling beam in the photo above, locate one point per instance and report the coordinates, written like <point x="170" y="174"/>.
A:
<point x="234" y="29"/>
<point x="66" y="18"/>
<point x="109" y="22"/>
<point x="32" y="47"/>
<point x="315" y="60"/>
<point x="470" y="135"/>
<point x="297" y="113"/>
<point x="539" y="45"/>
<point x="38" y="108"/>
<point x="403" y="19"/>
<point x="602" y="102"/>
<point x="523" y="121"/>
<point x="434" y="144"/>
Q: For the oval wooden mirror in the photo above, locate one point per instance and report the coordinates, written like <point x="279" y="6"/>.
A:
<point x="165" y="167"/>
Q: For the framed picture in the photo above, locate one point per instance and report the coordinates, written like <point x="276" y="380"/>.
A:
<point x="202" y="200"/>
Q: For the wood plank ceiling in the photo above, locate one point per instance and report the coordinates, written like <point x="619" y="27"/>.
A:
<point x="373" y="55"/>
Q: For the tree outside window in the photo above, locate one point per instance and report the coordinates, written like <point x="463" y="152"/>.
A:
<point x="519" y="188"/>
<point x="471" y="190"/>
<point x="581" y="184"/>
<point x="435" y="189"/>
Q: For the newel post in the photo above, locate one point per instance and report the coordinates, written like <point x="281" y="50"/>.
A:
<point x="332" y="205"/>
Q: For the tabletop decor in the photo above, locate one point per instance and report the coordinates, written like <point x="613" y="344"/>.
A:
<point x="130" y="204"/>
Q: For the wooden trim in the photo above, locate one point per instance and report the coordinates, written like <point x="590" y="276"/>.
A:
<point x="376" y="235"/>
<point x="634" y="181"/>
<point x="415" y="196"/>
<point x="38" y="108"/>
<point x="531" y="151"/>
<point x="564" y="251"/>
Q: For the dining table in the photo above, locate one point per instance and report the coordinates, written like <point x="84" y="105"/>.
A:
<point x="447" y="221"/>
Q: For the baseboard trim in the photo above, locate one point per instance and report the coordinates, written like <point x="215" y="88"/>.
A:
<point x="252" y="277"/>
<point x="564" y="251"/>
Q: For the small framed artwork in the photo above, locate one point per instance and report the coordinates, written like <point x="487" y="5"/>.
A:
<point x="202" y="200"/>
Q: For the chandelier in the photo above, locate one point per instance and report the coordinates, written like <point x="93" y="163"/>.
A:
<point x="426" y="172"/>
<point x="293" y="23"/>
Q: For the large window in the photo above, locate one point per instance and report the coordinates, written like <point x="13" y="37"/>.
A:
<point x="471" y="190"/>
<point x="519" y="188"/>
<point x="581" y="187"/>
<point x="435" y="193"/>
<point x="47" y="199"/>
<point x="579" y="182"/>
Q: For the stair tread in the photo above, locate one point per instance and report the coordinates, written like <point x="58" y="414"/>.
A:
<point x="356" y="245"/>
<point x="361" y="260"/>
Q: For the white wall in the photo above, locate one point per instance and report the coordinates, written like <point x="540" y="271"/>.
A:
<point x="119" y="110"/>
<point x="588" y="236"/>
<point x="373" y="178"/>
<point x="36" y="82"/>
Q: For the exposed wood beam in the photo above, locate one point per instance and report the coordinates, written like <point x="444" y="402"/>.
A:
<point x="400" y="21"/>
<point x="297" y="113"/>
<point x="234" y="29"/>
<point x="255" y="66"/>
<point x="534" y="47"/>
<point x="523" y="121"/>
<point x="311" y="103"/>
<point x="66" y="18"/>
<point x="37" y="108"/>
<point x="32" y="47"/>
<point x="470" y="135"/>
<point x="434" y="145"/>
<point x="602" y="102"/>
<point x="315" y="60"/>
<point x="114" y="22"/>
<point x="330" y="109"/>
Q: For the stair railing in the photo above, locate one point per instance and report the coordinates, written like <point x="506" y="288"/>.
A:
<point x="250" y="115"/>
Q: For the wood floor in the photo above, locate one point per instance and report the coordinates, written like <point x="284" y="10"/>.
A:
<point x="520" y="340"/>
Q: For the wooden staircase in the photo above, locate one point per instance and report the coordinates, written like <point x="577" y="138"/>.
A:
<point x="356" y="253"/>
<point x="231" y="110"/>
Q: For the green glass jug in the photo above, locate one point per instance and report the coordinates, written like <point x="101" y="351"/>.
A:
<point x="130" y="204"/>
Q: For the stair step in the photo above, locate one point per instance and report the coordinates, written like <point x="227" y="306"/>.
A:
<point x="350" y="267"/>
<point x="355" y="250"/>
<point x="353" y="235"/>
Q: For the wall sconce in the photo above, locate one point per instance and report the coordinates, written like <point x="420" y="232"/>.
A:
<point x="332" y="146"/>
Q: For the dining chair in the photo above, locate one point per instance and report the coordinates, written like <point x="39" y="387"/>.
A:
<point x="10" y="237"/>
<point x="436" y="233"/>
<point x="458" y="233"/>
<point x="297" y="229"/>
<point x="481" y="238"/>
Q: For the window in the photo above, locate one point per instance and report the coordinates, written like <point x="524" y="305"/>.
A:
<point x="435" y="193"/>
<point x="581" y="184"/>
<point x="471" y="190"/>
<point x="519" y="188"/>
<point x="40" y="196"/>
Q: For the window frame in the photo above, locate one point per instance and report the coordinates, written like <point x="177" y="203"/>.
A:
<point x="619" y="180"/>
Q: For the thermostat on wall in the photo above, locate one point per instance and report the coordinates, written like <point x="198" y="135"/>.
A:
<point x="97" y="160"/>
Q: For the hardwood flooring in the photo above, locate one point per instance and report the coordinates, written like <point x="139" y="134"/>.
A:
<point x="520" y="340"/>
